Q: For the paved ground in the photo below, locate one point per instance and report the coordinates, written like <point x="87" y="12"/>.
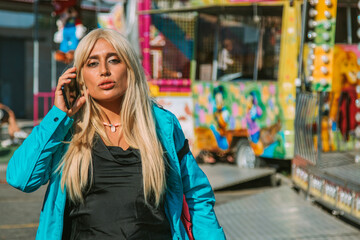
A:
<point x="253" y="213"/>
<point x="19" y="212"/>
<point x="6" y="153"/>
<point x="280" y="214"/>
<point x="225" y="175"/>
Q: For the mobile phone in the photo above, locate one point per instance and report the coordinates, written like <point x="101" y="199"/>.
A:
<point x="70" y="93"/>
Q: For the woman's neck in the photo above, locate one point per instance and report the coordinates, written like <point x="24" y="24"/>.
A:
<point x="112" y="112"/>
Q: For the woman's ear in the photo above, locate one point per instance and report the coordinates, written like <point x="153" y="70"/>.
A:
<point x="86" y="92"/>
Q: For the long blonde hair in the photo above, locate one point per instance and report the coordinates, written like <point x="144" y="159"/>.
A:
<point x="136" y="117"/>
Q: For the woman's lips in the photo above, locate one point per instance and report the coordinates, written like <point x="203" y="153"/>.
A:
<point x="107" y="85"/>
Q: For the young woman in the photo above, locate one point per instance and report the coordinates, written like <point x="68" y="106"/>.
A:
<point x="111" y="161"/>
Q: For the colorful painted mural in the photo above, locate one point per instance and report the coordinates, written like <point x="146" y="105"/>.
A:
<point x="340" y="124"/>
<point x="224" y="112"/>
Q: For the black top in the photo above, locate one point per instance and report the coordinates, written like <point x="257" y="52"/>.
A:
<point x="114" y="206"/>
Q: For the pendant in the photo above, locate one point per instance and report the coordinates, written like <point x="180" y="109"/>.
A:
<point x="112" y="128"/>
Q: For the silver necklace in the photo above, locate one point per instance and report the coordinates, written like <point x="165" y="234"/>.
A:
<point x="112" y="126"/>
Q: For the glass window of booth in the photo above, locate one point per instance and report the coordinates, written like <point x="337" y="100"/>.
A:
<point x="269" y="48"/>
<point x="347" y="24"/>
<point x="237" y="46"/>
<point x="341" y="35"/>
<point x="171" y="45"/>
<point x="240" y="46"/>
<point x="207" y="25"/>
<point x="355" y="24"/>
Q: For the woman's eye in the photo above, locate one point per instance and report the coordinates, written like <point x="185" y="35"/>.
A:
<point x="114" y="60"/>
<point x="92" y="64"/>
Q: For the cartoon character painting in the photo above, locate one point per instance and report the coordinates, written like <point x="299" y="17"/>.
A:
<point x="227" y="114"/>
<point x="70" y="30"/>
<point x="221" y="115"/>
<point x="254" y="112"/>
<point x="342" y="99"/>
<point x="265" y="140"/>
<point x="345" y="91"/>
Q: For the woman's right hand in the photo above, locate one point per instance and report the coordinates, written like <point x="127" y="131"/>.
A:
<point x="59" y="102"/>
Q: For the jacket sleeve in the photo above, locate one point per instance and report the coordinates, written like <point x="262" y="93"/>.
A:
<point x="198" y="193"/>
<point x="31" y="165"/>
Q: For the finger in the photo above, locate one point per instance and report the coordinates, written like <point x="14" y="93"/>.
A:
<point x="78" y="104"/>
<point x="61" y="82"/>
<point x="69" y="73"/>
<point x="65" y="79"/>
<point x="68" y="76"/>
<point x="69" y="70"/>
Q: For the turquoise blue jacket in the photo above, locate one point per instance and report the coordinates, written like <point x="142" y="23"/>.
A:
<point x="34" y="163"/>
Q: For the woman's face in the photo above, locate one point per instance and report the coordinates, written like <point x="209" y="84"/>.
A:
<point x="105" y="74"/>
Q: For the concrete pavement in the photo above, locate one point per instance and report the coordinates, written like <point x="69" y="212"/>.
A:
<point x="258" y="213"/>
<point x="19" y="212"/>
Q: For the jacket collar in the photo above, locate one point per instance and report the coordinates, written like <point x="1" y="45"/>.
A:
<point x="163" y="123"/>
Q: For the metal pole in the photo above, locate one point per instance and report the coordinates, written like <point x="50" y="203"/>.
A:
<point x="256" y="62"/>
<point x="144" y="31"/>
<point x="147" y="23"/>
<point x="53" y="61"/>
<point x="303" y="22"/>
<point x="216" y="51"/>
<point x="36" y="61"/>
<point x="195" y="42"/>
<point x="36" y="48"/>
<point x="348" y="24"/>
<point x="319" y="145"/>
<point x="257" y="57"/>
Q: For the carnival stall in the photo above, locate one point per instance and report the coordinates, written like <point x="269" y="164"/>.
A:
<point x="230" y="65"/>
<point x="256" y="80"/>
<point x="326" y="163"/>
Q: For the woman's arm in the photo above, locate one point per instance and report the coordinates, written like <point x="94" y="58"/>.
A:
<point x="31" y="165"/>
<point x="199" y="194"/>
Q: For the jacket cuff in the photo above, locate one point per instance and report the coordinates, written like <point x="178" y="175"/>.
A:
<point x="57" y="118"/>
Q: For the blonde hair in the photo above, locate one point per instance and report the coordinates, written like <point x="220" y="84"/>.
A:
<point x="136" y="117"/>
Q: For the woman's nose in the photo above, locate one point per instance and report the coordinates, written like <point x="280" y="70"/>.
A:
<point x="104" y="69"/>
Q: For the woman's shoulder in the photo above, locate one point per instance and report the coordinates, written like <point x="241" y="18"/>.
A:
<point x="161" y="112"/>
<point x="166" y="122"/>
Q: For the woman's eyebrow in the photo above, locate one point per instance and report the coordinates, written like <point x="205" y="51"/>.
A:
<point x="111" y="54"/>
<point x="107" y="55"/>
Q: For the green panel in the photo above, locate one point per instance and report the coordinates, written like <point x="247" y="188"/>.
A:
<point x="320" y="31"/>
